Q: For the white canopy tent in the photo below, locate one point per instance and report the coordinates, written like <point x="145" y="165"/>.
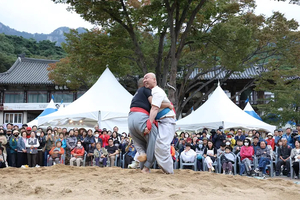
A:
<point x="107" y="103"/>
<point x="219" y="110"/>
<point x="51" y="108"/>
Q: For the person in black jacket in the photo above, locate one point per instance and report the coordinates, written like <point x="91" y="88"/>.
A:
<point x="42" y="141"/>
<point x="284" y="157"/>
<point x="219" y="138"/>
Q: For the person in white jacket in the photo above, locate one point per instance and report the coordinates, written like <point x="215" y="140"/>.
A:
<point x="188" y="155"/>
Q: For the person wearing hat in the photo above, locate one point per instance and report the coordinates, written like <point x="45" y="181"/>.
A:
<point x="239" y="135"/>
<point x="230" y="138"/>
<point x="284" y="157"/>
<point x="271" y="140"/>
<point x="188" y="155"/>
<point x="104" y="137"/>
<point x="13" y="143"/>
<point x="3" y="162"/>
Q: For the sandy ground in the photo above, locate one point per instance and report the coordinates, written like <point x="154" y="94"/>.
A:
<point x="65" y="182"/>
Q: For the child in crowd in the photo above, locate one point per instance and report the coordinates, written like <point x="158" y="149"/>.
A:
<point x="227" y="160"/>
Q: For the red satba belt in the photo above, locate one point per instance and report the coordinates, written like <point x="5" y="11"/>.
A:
<point x="137" y="109"/>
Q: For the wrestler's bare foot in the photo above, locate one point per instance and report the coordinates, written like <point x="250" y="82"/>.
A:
<point x="142" y="157"/>
<point x="145" y="170"/>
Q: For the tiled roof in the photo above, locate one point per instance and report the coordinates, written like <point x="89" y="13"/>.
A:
<point x="249" y="73"/>
<point x="27" y="71"/>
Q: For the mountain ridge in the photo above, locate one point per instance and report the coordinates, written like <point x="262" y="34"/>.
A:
<point x="55" y="36"/>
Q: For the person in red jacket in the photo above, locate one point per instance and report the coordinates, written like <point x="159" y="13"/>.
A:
<point x="246" y="154"/>
<point x="56" y="153"/>
<point x="104" y="137"/>
<point x="271" y="141"/>
<point x="77" y="154"/>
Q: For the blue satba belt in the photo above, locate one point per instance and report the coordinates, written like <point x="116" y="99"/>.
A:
<point x="161" y="113"/>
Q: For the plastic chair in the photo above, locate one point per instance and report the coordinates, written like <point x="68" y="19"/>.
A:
<point x="194" y="164"/>
<point x="253" y="164"/>
<point x="215" y="164"/>
<point x="269" y="166"/>
<point x="61" y="160"/>
<point x="234" y="164"/>
<point x="292" y="169"/>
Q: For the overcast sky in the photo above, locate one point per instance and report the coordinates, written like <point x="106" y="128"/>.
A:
<point x="44" y="16"/>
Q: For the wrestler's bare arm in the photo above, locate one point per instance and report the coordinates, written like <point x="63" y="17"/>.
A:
<point x="153" y="112"/>
<point x="163" y="104"/>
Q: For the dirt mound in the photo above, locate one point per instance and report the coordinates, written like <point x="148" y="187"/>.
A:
<point x="65" y="182"/>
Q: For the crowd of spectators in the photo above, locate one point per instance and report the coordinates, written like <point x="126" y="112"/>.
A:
<point x="220" y="151"/>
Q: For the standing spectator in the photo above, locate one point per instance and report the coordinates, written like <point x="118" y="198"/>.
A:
<point x="230" y="137"/>
<point x="71" y="144"/>
<point x="175" y="140"/>
<point x="104" y="137"/>
<point x="271" y="141"/>
<point x="284" y="157"/>
<point x="13" y="143"/>
<point x="90" y="154"/>
<point x="28" y="132"/>
<point x="56" y="153"/>
<point x="8" y="149"/>
<point x="295" y="155"/>
<point x="62" y="140"/>
<point x="239" y="135"/>
<point x="227" y="159"/>
<point x="22" y="153"/>
<point x="246" y="154"/>
<point x="90" y="139"/>
<point x="210" y="155"/>
<point x="255" y="144"/>
<point x="41" y="149"/>
<point x="116" y="139"/>
<point x="100" y="155"/>
<point x="188" y="155"/>
<point x="263" y="155"/>
<point x="3" y="162"/>
<point x="219" y="138"/>
<point x="31" y="146"/>
<point x="112" y="151"/>
<point x="278" y="137"/>
<point x="97" y="138"/>
<point x="50" y="141"/>
<point x="77" y="153"/>
<point x="131" y="151"/>
<point x="78" y="134"/>
<point x="287" y="134"/>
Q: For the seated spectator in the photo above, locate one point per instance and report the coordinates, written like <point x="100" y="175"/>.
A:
<point x="3" y="162"/>
<point x="112" y="151"/>
<point x="279" y="135"/>
<point x="56" y="153"/>
<point x="90" y="154"/>
<point x="227" y="159"/>
<point x="263" y="154"/>
<point x="210" y="155"/>
<point x="239" y="135"/>
<point x="284" y="158"/>
<point x="271" y="141"/>
<point x="188" y="155"/>
<point x="199" y="151"/>
<point x="246" y="154"/>
<point x="221" y="151"/>
<point x="230" y="139"/>
<point x="237" y="148"/>
<point x="100" y="155"/>
<point x="295" y="155"/>
<point x="131" y="151"/>
<point x="173" y="152"/>
<point x="32" y="144"/>
<point x="77" y="153"/>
